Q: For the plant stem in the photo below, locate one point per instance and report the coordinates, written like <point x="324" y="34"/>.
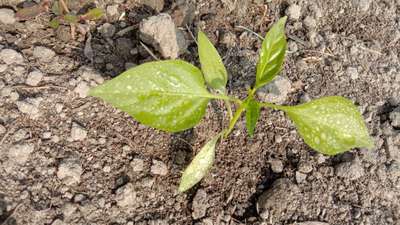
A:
<point x="234" y="119"/>
<point x="229" y="108"/>
<point x="273" y="106"/>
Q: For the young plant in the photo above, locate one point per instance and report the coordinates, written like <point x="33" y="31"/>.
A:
<point x="172" y="95"/>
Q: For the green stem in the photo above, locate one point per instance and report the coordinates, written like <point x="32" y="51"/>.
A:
<point x="229" y="107"/>
<point x="234" y="119"/>
<point x="273" y="106"/>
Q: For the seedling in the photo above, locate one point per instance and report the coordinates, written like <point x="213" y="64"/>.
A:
<point x="172" y="95"/>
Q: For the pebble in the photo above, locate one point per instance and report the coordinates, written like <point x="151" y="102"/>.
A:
<point x="43" y="54"/>
<point x="276" y="91"/>
<point x="7" y="16"/>
<point x="29" y="106"/>
<point x="199" y="204"/>
<point x="10" y="56"/>
<point x="70" y="171"/>
<point x="156" y="5"/>
<point x="305" y="167"/>
<point x="58" y="222"/>
<point x="137" y="164"/>
<point x="20" y="153"/>
<point x="352" y="72"/>
<point x="276" y="166"/>
<point x="161" y="32"/>
<point x="89" y="74"/>
<point x="3" y="67"/>
<point x="395" y="117"/>
<point x="393" y="147"/>
<point x="107" y="30"/>
<point x="362" y="5"/>
<point x="184" y="13"/>
<point x="311" y="223"/>
<point x="310" y="23"/>
<point x="300" y="177"/>
<point x="126" y="197"/>
<point x="2" y="129"/>
<point x="294" y="12"/>
<point x="350" y="170"/>
<point x="112" y="11"/>
<point x="78" y="133"/>
<point x="34" y="78"/>
<point x="159" y="168"/>
<point x="82" y="89"/>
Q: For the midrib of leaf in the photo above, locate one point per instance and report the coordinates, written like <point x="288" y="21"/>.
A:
<point x="174" y="94"/>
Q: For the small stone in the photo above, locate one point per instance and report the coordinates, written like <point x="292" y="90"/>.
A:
<point x="3" y="67"/>
<point x="161" y="32"/>
<point x="88" y="74"/>
<point x="350" y="170"/>
<point x="156" y="5"/>
<point x="137" y="164"/>
<point x="159" y="168"/>
<point x="362" y="5"/>
<point x="79" y="198"/>
<point x="20" y="135"/>
<point x="395" y="117"/>
<point x="70" y="171"/>
<point x="58" y="222"/>
<point x="229" y="39"/>
<point x="276" y="91"/>
<point x="34" y="78"/>
<point x="305" y="167"/>
<point x="107" y="30"/>
<point x="78" y="133"/>
<point x="107" y="169"/>
<point x="2" y="129"/>
<point x="20" y="153"/>
<point x="311" y="223"/>
<point x="43" y="54"/>
<point x="64" y="33"/>
<point x="352" y="72"/>
<point x="7" y="16"/>
<point x="46" y="135"/>
<point x="126" y="197"/>
<point x="10" y="56"/>
<point x="59" y="107"/>
<point x="184" y="13"/>
<point x="393" y="147"/>
<point x="294" y="12"/>
<point x="276" y="166"/>
<point x="112" y="11"/>
<point x="199" y="204"/>
<point x="300" y="177"/>
<point x="82" y="89"/>
<point x="29" y="107"/>
<point x="310" y="23"/>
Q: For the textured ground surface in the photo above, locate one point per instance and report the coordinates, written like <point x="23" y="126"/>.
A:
<point x="66" y="158"/>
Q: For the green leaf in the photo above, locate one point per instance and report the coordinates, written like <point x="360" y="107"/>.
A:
<point x="94" y="14"/>
<point x="211" y="64"/>
<point x="54" y="23"/>
<point x="71" y="18"/>
<point x="272" y="54"/>
<point x="330" y="125"/>
<point x="252" y="114"/>
<point x="199" y="166"/>
<point x="169" y="95"/>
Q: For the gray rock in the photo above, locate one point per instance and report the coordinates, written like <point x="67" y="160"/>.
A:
<point x="43" y="54"/>
<point x="126" y="197"/>
<point x="276" y="166"/>
<point x="300" y="177"/>
<point x="7" y="16"/>
<point x="159" y="168"/>
<point x="89" y="74"/>
<point x="352" y="72"/>
<point x="20" y="135"/>
<point x="10" y="56"/>
<point x="184" y="13"/>
<point x="310" y="23"/>
<point x="350" y="170"/>
<point x="199" y="204"/>
<point x="29" y="106"/>
<point x="34" y="78"/>
<point x="281" y="199"/>
<point x="157" y="5"/>
<point x="161" y="32"/>
<point x="20" y="153"/>
<point x="107" y="30"/>
<point x="137" y="164"/>
<point x="294" y="12"/>
<point x="78" y="133"/>
<point x="276" y="91"/>
<point x="82" y="89"/>
<point x="305" y="167"/>
<point x="311" y="223"/>
<point x="395" y="117"/>
<point x="112" y="11"/>
<point x="70" y="171"/>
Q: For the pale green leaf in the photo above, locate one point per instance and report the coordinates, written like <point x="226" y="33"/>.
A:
<point x="272" y="54"/>
<point x="330" y="125"/>
<point x="94" y="14"/>
<point x="54" y="23"/>
<point x="252" y="114"/>
<point x="211" y="64"/>
<point x="71" y="18"/>
<point x="169" y="95"/>
<point x="199" y="166"/>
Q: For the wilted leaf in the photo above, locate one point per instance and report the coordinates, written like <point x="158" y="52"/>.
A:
<point x="330" y="125"/>
<point x="272" y="54"/>
<point x="211" y="64"/>
<point x="54" y="23"/>
<point x="199" y="166"/>
<point x="93" y="14"/>
<point x="252" y="114"/>
<point x="169" y="95"/>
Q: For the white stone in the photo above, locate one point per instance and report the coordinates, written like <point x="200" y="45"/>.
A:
<point x="10" y="56"/>
<point x="78" y="133"/>
<point x="70" y="171"/>
<point x="126" y="197"/>
<point x="82" y="89"/>
<point x="34" y="78"/>
<point x="294" y="12"/>
<point x="29" y="107"/>
<point x="20" y="153"/>
<point x="7" y="16"/>
<point x="159" y="168"/>
<point x="137" y="164"/>
<point x="276" y="91"/>
<point x="43" y="54"/>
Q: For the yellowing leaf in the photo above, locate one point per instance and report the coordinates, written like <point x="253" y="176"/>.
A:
<point x="199" y="166"/>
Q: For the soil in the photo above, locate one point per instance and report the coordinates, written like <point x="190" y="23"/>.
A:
<point x="66" y="158"/>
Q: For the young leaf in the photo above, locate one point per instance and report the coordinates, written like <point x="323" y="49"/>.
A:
<point x="71" y="18"/>
<point x="54" y="23"/>
<point x="94" y="14"/>
<point x="199" y="166"/>
<point x="169" y="95"/>
<point x="272" y="54"/>
<point x="330" y="125"/>
<point x="252" y="114"/>
<point x="211" y="64"/>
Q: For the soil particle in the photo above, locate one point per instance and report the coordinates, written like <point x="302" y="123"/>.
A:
<point x="352" y="170"/>
<point x="161" y="32"/>
<point x="7" y="16"/>
<point x="126" y="197"/>
<point x="43" y="54"/>
<point x="159" y="168"/>
<point x="311" y="223"/>
<point x="199" y="204"/>
<point x="107" y="30"/>
<point x="34" y="78"/>
<point x="112" y="11"/>
<point x="276" y="92"/>
<point x="78" y="133"/>
<point x="393" y="147"/>
<point x="294" y="12"/>
<point x="70" y="171"/>
<point x="82" y="89"/>
<point x="30" y="106"/>
<point x="183" y="14"/>
<point x="352" y="72"/>
<point x="137" y="165"/>
<point x="20" y="153"/>
<point x="300" y="177"/>
<point x="310" y="23"/>
<point x="276" y="166"/>
<point x="10" y="56"/>
<point x="395" y="117"/>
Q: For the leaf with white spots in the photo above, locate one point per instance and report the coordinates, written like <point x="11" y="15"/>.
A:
<point x="330" y="125"/>
<point x="169" y="95"/>
<point x="211" y="64"/>
<point x="272" y="54"/>
<point x="199" y="166"/>
<point x="252" y="114"/>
